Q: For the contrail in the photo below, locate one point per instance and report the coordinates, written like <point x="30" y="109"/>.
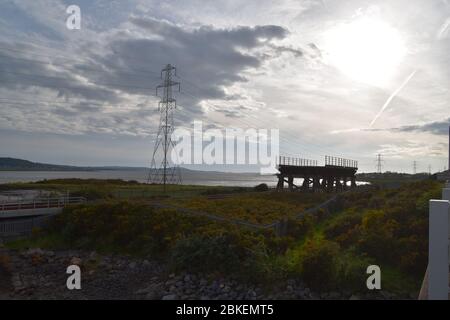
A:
<point x="392" y="96"/>
<point x="442" y="33"/>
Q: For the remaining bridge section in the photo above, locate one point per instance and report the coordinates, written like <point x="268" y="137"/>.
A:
<point x="20" y="217"/>
<point x="36" y="207"/>
<point x="335" y="175"/>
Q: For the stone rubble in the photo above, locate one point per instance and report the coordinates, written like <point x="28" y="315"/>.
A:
<point x="41" y="274"/>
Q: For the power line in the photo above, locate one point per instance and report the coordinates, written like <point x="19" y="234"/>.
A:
<point x="293" y="139"/>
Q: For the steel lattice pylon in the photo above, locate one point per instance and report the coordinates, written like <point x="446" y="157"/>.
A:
<point x="161" y="171"/>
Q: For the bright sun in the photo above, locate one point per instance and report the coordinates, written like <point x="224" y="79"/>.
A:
<point x="366" y="50"/>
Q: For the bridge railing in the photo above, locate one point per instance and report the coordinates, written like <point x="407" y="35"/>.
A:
<point x="40" y="203"/>
<point x="437" y="275"/>
<point x="299" y="162"/>
<point x="340" y="162"/>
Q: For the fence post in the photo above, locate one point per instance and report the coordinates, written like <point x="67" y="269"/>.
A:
<point x="438" y="250"/>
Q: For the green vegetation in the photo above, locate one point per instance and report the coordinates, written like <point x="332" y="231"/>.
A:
<point x="96" y="189"/>
<point x="391" y="179"/>
<point x="259" y="208"/>
<point x="327" y="250"/>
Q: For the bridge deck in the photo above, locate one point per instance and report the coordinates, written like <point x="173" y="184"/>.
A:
<point x="301" y="171"/>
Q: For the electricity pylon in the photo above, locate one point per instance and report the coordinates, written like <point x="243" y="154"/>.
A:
<point x="161" y="172"/>
<point x="379" y="163"/>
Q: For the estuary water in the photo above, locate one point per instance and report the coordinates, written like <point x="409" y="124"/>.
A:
<point x="188" y="177"/>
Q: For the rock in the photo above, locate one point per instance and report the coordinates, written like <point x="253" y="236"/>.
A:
<point x="170" y="297"/>
<point x="140" y="292"/>
<point x="132" y="265"/>
<point x="334" y="295"/>
<point x="354" y="297"/>
<point x="34" y="251"/>
<point x="76" y="261"/>
<point x="152" y="296"/>
<point x="50" y="253"/>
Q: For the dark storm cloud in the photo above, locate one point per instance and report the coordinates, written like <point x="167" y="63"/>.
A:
<point x="207" y="58"/>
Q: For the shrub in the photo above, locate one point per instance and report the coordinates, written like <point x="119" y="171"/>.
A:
<point x="299" y="228"/>
<point x="342" y="224"/>
<point x="206" y="254"/>
<point x="261" y="187"/>
<point x="5" y="263"/>
<point x="318" y="264"/>
<point x="92" y="192"/>
<point x="352" y="272"/>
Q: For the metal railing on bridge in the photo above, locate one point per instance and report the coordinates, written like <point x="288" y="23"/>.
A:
<point x="40" y="203"/>
<point x="340" y="162"/>
<point x="299" y="162"/>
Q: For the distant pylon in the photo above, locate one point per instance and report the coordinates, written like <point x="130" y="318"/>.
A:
<point x="429" y="169"/>
<point x="379" y="163"/>
<point x="161" y="172"/>
<point x="414" y="166"/>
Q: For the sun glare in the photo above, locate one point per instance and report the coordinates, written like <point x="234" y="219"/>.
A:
<point x="366" y="50"/>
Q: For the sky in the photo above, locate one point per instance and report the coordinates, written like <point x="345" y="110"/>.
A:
<point x="351" y="79"/>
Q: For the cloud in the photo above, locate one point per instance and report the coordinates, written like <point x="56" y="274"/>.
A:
<point x="113" y="77"/>
<point x="436" y="127"/>
<point x="211" y="57"/>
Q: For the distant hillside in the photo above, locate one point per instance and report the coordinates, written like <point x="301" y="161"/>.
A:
<point x="12" y="164"/>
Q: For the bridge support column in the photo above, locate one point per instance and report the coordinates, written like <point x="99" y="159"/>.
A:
<point x="316" y="183"/>
<point x="330" y="184"/>
<point x="305" y="185"/>
<point x="280" y="184"/>
<point x="353" y="185"/>
<point x="291" y="183"/>
<point x="338" y="184"/>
